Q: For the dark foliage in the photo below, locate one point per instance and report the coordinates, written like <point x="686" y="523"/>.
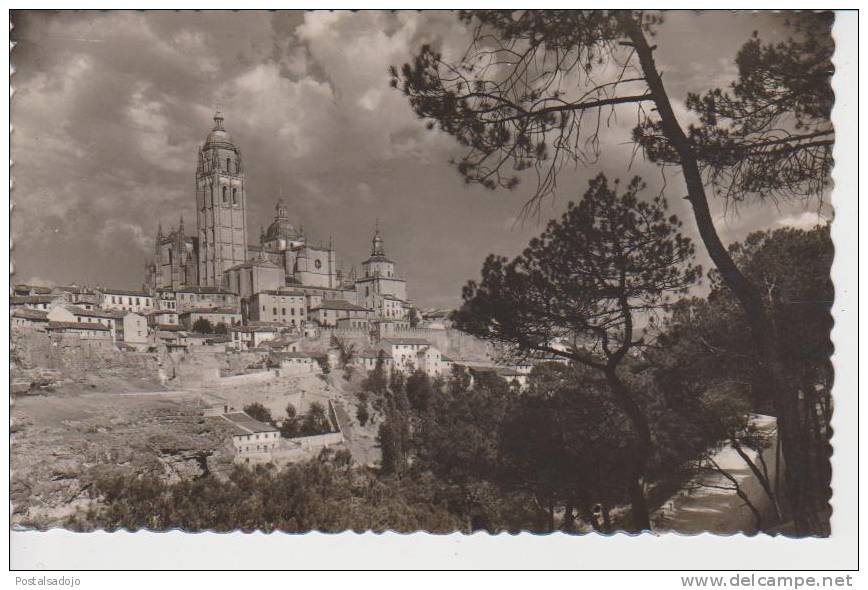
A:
<point x="259" y="412"/>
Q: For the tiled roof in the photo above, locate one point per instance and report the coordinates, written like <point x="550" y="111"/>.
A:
<point x="291" y="355"/>
<point x="411" y="341"/>
<point x="36" y="288"/>
<point x="72" y="289"/>
<point x="279" y="293"/>
<point x="203" y="290"/>
<point x="373" y="353"/>
<point x="31" y="314"/>
<point x="212" y="310"/>
<point x="248" y="424"/>
<point x="254" y="262"/>
<point x="95" y="313"/>
<point x="338" y="304"/>
<point x="281" y="341"/>
<point x="123" y="292"/>
<point x="169" y="327"/>
<point x="378" y="258"/>
<point x="251" y="329"/>
<point x="92" y="326"/>
<point x="25" y="299"/>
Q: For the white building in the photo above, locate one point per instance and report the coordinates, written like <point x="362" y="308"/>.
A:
<point x="252" y="336"/>
<point x="253" y="441"/>
<point x="73" y="314"/>
<point x="121" y="300"/>
<point x="411" y="354"/>
<point x="134" y="330"/>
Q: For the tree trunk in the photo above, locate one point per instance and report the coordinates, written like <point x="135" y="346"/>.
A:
<point x="761" y="476"/>
<point x="607" y="518"/>
<point x="799" y="493"/>
<point x="641" y="451"/>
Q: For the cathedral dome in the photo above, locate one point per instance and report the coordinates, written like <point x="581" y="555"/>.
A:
<point x="281" y="228"/>
<point x="219" y="137"/>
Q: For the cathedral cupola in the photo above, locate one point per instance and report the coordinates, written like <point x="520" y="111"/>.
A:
<point x="281" y="234"/>
<point x="219" y="138"/>
<point x="378" y="264"/>
<point x="377" y="244"/>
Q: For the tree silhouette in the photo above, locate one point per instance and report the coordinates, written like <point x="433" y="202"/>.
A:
<point x="203" y="326"/>
<point x="535" y="89"/>
<point x="575" y="291"/>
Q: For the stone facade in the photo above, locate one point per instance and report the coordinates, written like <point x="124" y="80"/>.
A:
<point x="218" y="263"/>
<point x="221" y="206"/>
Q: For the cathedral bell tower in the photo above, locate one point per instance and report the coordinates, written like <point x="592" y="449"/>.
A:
<point x="221" y="205"/>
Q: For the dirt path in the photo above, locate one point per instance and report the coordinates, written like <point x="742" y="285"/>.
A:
<point x="703" y="507"/>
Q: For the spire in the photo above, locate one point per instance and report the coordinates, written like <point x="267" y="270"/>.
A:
<point x="280" y="209"/>
<point x="159" y="229"/>
<point x="181" y="225"/>
<point x="218" y="118"/>
<point x="377" y="242"/>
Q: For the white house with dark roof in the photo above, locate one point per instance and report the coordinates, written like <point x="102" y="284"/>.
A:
<point x="214" y="315"/>
<point x="29" y="318"/>
<point x="186" y="297"/>
<point x="295" y="362"/>
<point x="367" y="359"/>
<point x="328" y="312"/>
<point x="410" y="354"/>
<point x="74" y="314"/>
<point x="93" y="332"/>
<point x="40" y="302"/>
<point x="244" y="337"/>
<point x="163" y="317"/>
<point x="253" y="441"/>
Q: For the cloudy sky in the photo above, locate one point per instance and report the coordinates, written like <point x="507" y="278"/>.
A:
<point x="109" y="109"/>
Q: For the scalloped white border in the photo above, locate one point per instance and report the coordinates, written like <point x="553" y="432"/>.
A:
<point x="64" y="550"/>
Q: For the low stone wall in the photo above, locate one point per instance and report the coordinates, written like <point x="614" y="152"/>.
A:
<point x="258" y="377"/>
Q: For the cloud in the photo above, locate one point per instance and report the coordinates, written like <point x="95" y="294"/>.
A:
<point x="805" y="220"/>
<point x="110" y="108"/>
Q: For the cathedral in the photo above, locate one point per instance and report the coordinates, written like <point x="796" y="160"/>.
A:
<point x="219" y="256"/>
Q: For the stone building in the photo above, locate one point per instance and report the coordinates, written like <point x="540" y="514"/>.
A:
<point x="175" y="262"/>
<point x="219" y="257"/>
<point x="221" y="205"/>
<point x="380" y="288"/>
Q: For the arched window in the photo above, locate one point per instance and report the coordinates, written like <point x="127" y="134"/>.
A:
<point x="234" y="196"/>
<point x="228" y="160"/>
<point x="224" y="194"/>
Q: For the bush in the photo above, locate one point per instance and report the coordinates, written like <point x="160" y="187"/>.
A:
<point x="203" y="326"/>
<point x="362" y="414"/>
<point x="259" y="412"/>
<point x="315" y="421"/>
<point x="289" y="428"/>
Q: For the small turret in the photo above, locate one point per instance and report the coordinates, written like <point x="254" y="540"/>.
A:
<point x="377" y="242"/>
